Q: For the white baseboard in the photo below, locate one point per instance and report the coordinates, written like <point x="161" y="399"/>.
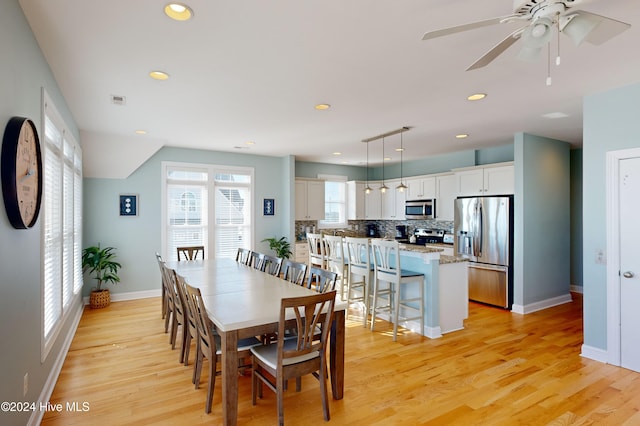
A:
<point x="132" y="295"/>
<point x="543" y="304"/>
<point x="576" y="288"/>
<point x="49" y="385"/>
<point x="595" y="354"/>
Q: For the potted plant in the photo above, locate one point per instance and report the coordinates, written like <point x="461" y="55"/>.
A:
<point x="101" y="263"/>
<point x="280" y="246"/>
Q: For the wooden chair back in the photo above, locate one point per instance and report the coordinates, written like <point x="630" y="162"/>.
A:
<point x="321" y="280"/>
<point x="257" y="260"/>
<point x="316" y="251"/>
<point x="294" y="272"/>
<point x="243" y="256"/>
<point x="191" y="252"/>
<point x="272" y="265"/>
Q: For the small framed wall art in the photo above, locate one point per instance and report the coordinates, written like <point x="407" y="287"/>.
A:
<point x="268" y="207"/>
<point x="129" y="205"/>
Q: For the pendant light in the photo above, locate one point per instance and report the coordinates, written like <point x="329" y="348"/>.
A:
<point x="367" y="188"/>
<point x="384" y="187"/>
<point x="402" y="186"/>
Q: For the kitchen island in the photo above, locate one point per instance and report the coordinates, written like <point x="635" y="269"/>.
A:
<point x="446" y="293"/>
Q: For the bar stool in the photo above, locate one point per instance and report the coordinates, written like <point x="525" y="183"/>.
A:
<point x="386" y="259"/>
<point x="336" y="260"/>
<point x="360" y="273"/>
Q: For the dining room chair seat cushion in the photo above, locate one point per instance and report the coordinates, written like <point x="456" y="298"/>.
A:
<point x="268" y="354"/>
<point x="243" y="344"/>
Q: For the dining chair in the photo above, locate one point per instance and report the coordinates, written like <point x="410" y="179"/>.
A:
<point x="321" y="280"/>
<point x="360" y="271"/>
<point x="272" y="265"/>
<point x="386" y="260"/>
<point x="294" y="272"/>
<point x="176" y="309"/>
<point x="191" y="252"/>
<point x="316" y="250"/>
<point x="257" y="260"/>
<point x="336" y="260"/>
<point x="289" y="358"/>
<point x="163" y="286"/>
<point x="209" y="345"/>
<point x="190" y="327"/>
<point x="243" y="255"/>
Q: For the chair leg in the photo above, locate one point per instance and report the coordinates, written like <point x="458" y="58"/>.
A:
<point x="210" y="386"/>
<point x="323" y="389"/>
<point x="280" y="399"/>
<point x="174" y="331"/>
<point x="396" y="310"/>
<point x="254" y="382"/>
<point x="167" y="318"/>
<point x="197" y="361"/>
<point x="187" y="348"/>
<point x="374" y="302"/>
<point x="198" y="370"/>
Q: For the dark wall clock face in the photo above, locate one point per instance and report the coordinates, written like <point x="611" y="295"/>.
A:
<point x="21" y="172"/>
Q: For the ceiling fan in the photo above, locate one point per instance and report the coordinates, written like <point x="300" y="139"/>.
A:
<point x="541" y="18"/>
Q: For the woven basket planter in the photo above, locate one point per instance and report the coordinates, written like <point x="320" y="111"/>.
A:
<point x="100" y="299"/>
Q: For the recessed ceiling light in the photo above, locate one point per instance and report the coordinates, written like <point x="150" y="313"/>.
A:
<point x="337" y="153"/>
<point x="387" y="158"/>
<point x="322" y="107"/>
<point x="399" y="149"/>
<point x="250" y="143"/>
<point x="462" y="136"/>
<point x="553" y="115"/>
<point x="140" y="132"/>
<point x="178" y="11"/>
<point x="476" y="96"/>
<point x="159" y="75"/>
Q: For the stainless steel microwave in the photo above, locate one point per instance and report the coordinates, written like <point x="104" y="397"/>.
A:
<point x="420" y="209"/>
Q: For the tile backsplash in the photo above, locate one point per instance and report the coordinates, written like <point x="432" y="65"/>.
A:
<point x="358" y="228"/>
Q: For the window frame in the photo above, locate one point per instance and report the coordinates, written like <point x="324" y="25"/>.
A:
<point x="64" y="245"/>
<point x="210" y="187"/>
<point x="323" y="224"/>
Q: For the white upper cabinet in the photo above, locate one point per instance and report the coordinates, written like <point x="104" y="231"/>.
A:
<point x="421" y="188"/>
<point x="446" y="193"/>
<point x="309" y="199"/>
<point x="355" y="200"/>
<point x="496" y="180"/>
<point x="373" y="202"/>
<point x="393" y="202"/>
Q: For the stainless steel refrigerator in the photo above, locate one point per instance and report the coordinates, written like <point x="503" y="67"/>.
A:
<point x="484" y="234"/>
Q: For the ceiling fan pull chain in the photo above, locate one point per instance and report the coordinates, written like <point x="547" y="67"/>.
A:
<point x="558" y="26"/>
<point x="549" y="64"/>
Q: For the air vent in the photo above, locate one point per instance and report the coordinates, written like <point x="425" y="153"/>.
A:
<point x="118" y="100"/>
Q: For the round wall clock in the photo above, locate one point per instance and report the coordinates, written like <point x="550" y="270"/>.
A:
<point x="21" y="172"/>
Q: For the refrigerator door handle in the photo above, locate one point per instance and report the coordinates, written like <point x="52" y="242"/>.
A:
<point x="477" y="240"/>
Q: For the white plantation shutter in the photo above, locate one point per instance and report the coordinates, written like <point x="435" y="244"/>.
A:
<point x="62" y="224"/>
<point x="52" y="226"/>
<point x="207" y="205"/>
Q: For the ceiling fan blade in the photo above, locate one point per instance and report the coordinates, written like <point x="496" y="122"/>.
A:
<point x="465" y="27"/>
<point x="497" y="50"/>
<point x="582" y="26"/>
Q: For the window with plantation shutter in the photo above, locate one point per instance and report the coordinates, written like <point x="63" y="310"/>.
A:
<point x="207" y="205"/>
<point x="61" y="223"/>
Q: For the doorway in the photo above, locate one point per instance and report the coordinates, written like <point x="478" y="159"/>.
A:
<point x="623" y="264"/>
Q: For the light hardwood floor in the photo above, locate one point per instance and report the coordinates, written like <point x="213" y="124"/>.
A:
<point x="503" y="369"/>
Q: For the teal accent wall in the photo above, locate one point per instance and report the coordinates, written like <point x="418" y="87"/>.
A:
<point x="541" y="219"/>
<point x="497" y="154"/>
<point x="610" y="123"/>
<point x="23" y="74"/>
<point x="576" y="219"/>
<point x="138" y="238"/>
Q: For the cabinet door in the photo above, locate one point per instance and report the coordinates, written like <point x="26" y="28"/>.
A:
<point x="499" y="180"/>
<point x="428" y="188"/>
<point x="446" y="195"/>
<point x="389" y="202"/>
<point x="315" y="200"/>
<point x="470" y="182"/>
<point x="414" y="190"/>
<point x="301" y="200"/>
<point x="355" y="201"/>
<point x="421" y="188"/>
<point x="373" y="203"/>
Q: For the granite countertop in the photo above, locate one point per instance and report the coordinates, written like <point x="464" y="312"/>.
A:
<point x="446" y="259"/>
<point x="420" y="249"/>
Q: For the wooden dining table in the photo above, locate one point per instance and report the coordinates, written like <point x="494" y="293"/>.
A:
<point x="243" y="302"/>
